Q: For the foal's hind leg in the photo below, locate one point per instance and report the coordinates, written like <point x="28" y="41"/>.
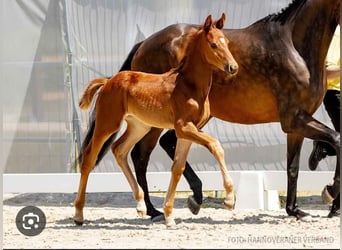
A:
<point x="134" y="132"/>
<point x="102" y="131"/>
<point x="88" y="162"/>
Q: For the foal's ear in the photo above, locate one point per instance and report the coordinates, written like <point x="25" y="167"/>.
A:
<point x="207" y="24"/>
<point x="220" y="23"/>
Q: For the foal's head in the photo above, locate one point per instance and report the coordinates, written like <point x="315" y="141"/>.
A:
<point x="215" y="46"/>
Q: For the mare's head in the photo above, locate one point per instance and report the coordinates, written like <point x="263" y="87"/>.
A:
<point x="215" y="46"/>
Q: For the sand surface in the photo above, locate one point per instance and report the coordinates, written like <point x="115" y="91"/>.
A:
<point x="112" y="222"/>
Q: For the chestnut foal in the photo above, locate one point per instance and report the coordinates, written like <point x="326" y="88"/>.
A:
<point x="175" y="100"/>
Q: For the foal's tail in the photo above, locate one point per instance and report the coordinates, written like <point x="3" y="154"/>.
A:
<point x="90" y="91"/>
<point x="85" y="103"/>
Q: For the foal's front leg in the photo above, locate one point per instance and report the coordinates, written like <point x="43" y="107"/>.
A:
<point x="192" y="133"/>
<point x="182" y="150"/>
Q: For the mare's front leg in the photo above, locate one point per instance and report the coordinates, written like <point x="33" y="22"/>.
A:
<point x="168" y="142"/>
<point x="140" y="156"/>
<point x="304" y="125"/>
<point x="294" y="145"/>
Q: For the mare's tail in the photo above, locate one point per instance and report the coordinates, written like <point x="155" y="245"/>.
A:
<point x="86" y="101"/>
<point x="87" y="139"/>
<point x="125" y="66"/>
<point x="128" y="62"/>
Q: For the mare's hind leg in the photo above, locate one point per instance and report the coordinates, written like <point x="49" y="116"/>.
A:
<point x="140" y="156"/>
<point x="134" y="132"/>
<point x="168" y="142"/>
<point x="335" y="208"/>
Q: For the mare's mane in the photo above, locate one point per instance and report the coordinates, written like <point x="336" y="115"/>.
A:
<point x="285" y="13"/>
<point x="192" y="39"/>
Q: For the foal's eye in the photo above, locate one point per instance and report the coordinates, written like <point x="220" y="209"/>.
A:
<point x="213" y="45"/>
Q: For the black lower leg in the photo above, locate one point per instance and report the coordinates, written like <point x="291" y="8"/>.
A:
<point x="335" y="208"/>
<point x="140" y="160"/>
<point x="294" y="144"/>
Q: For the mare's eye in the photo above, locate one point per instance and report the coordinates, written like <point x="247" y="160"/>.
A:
<point x="213" y="45"/>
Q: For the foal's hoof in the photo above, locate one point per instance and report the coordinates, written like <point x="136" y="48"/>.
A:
<point x="229" y="202"/>
<point x="78" y="222"/>
<point x="141" y="213"/>
<point x="193" y="205"/>
<point x="170" y="222"/>
<point x="78" y="219"/>
<point x="141" y="209"/>
<point x="229" y="205"/>
<point x="326" y="196"/>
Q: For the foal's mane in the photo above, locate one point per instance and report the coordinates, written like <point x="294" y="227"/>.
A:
<point x="285" y="13"/>
<point x="193" y="37"/>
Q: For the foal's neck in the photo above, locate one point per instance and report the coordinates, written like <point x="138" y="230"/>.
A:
<point x="194" y="69"/>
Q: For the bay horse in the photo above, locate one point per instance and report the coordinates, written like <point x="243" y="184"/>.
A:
<point x="281" y="78"/>
<point x="177" y="99"/>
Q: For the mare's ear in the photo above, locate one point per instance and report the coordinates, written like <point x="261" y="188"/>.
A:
<point x="220" y="23"/>
<point x="207" y="24"/>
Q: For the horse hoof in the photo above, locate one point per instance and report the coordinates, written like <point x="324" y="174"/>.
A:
<point x="334" y="214"/>
<point x="141" y="213"/>
<point x="78" y="219"/>
<point x="306" y="218"/>
<point x="326" y="197"/>
<point x="229" y="205"/>
<point x="141" y="209"/>
<point x="158" y="218"/>
<point x="299" y="214"/>
<point x="170" y="222"/>
<point x="229" y="202"/>
<point x="193" y="205"/>
<point x="78" y="222"/>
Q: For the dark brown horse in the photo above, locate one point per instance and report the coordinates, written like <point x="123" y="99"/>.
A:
<point x="177" y="99"/>
<point x="281" y="79"/>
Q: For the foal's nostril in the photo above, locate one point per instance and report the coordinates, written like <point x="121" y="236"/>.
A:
<point x="233" y="69"/>
<point x="230" y="68"/>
